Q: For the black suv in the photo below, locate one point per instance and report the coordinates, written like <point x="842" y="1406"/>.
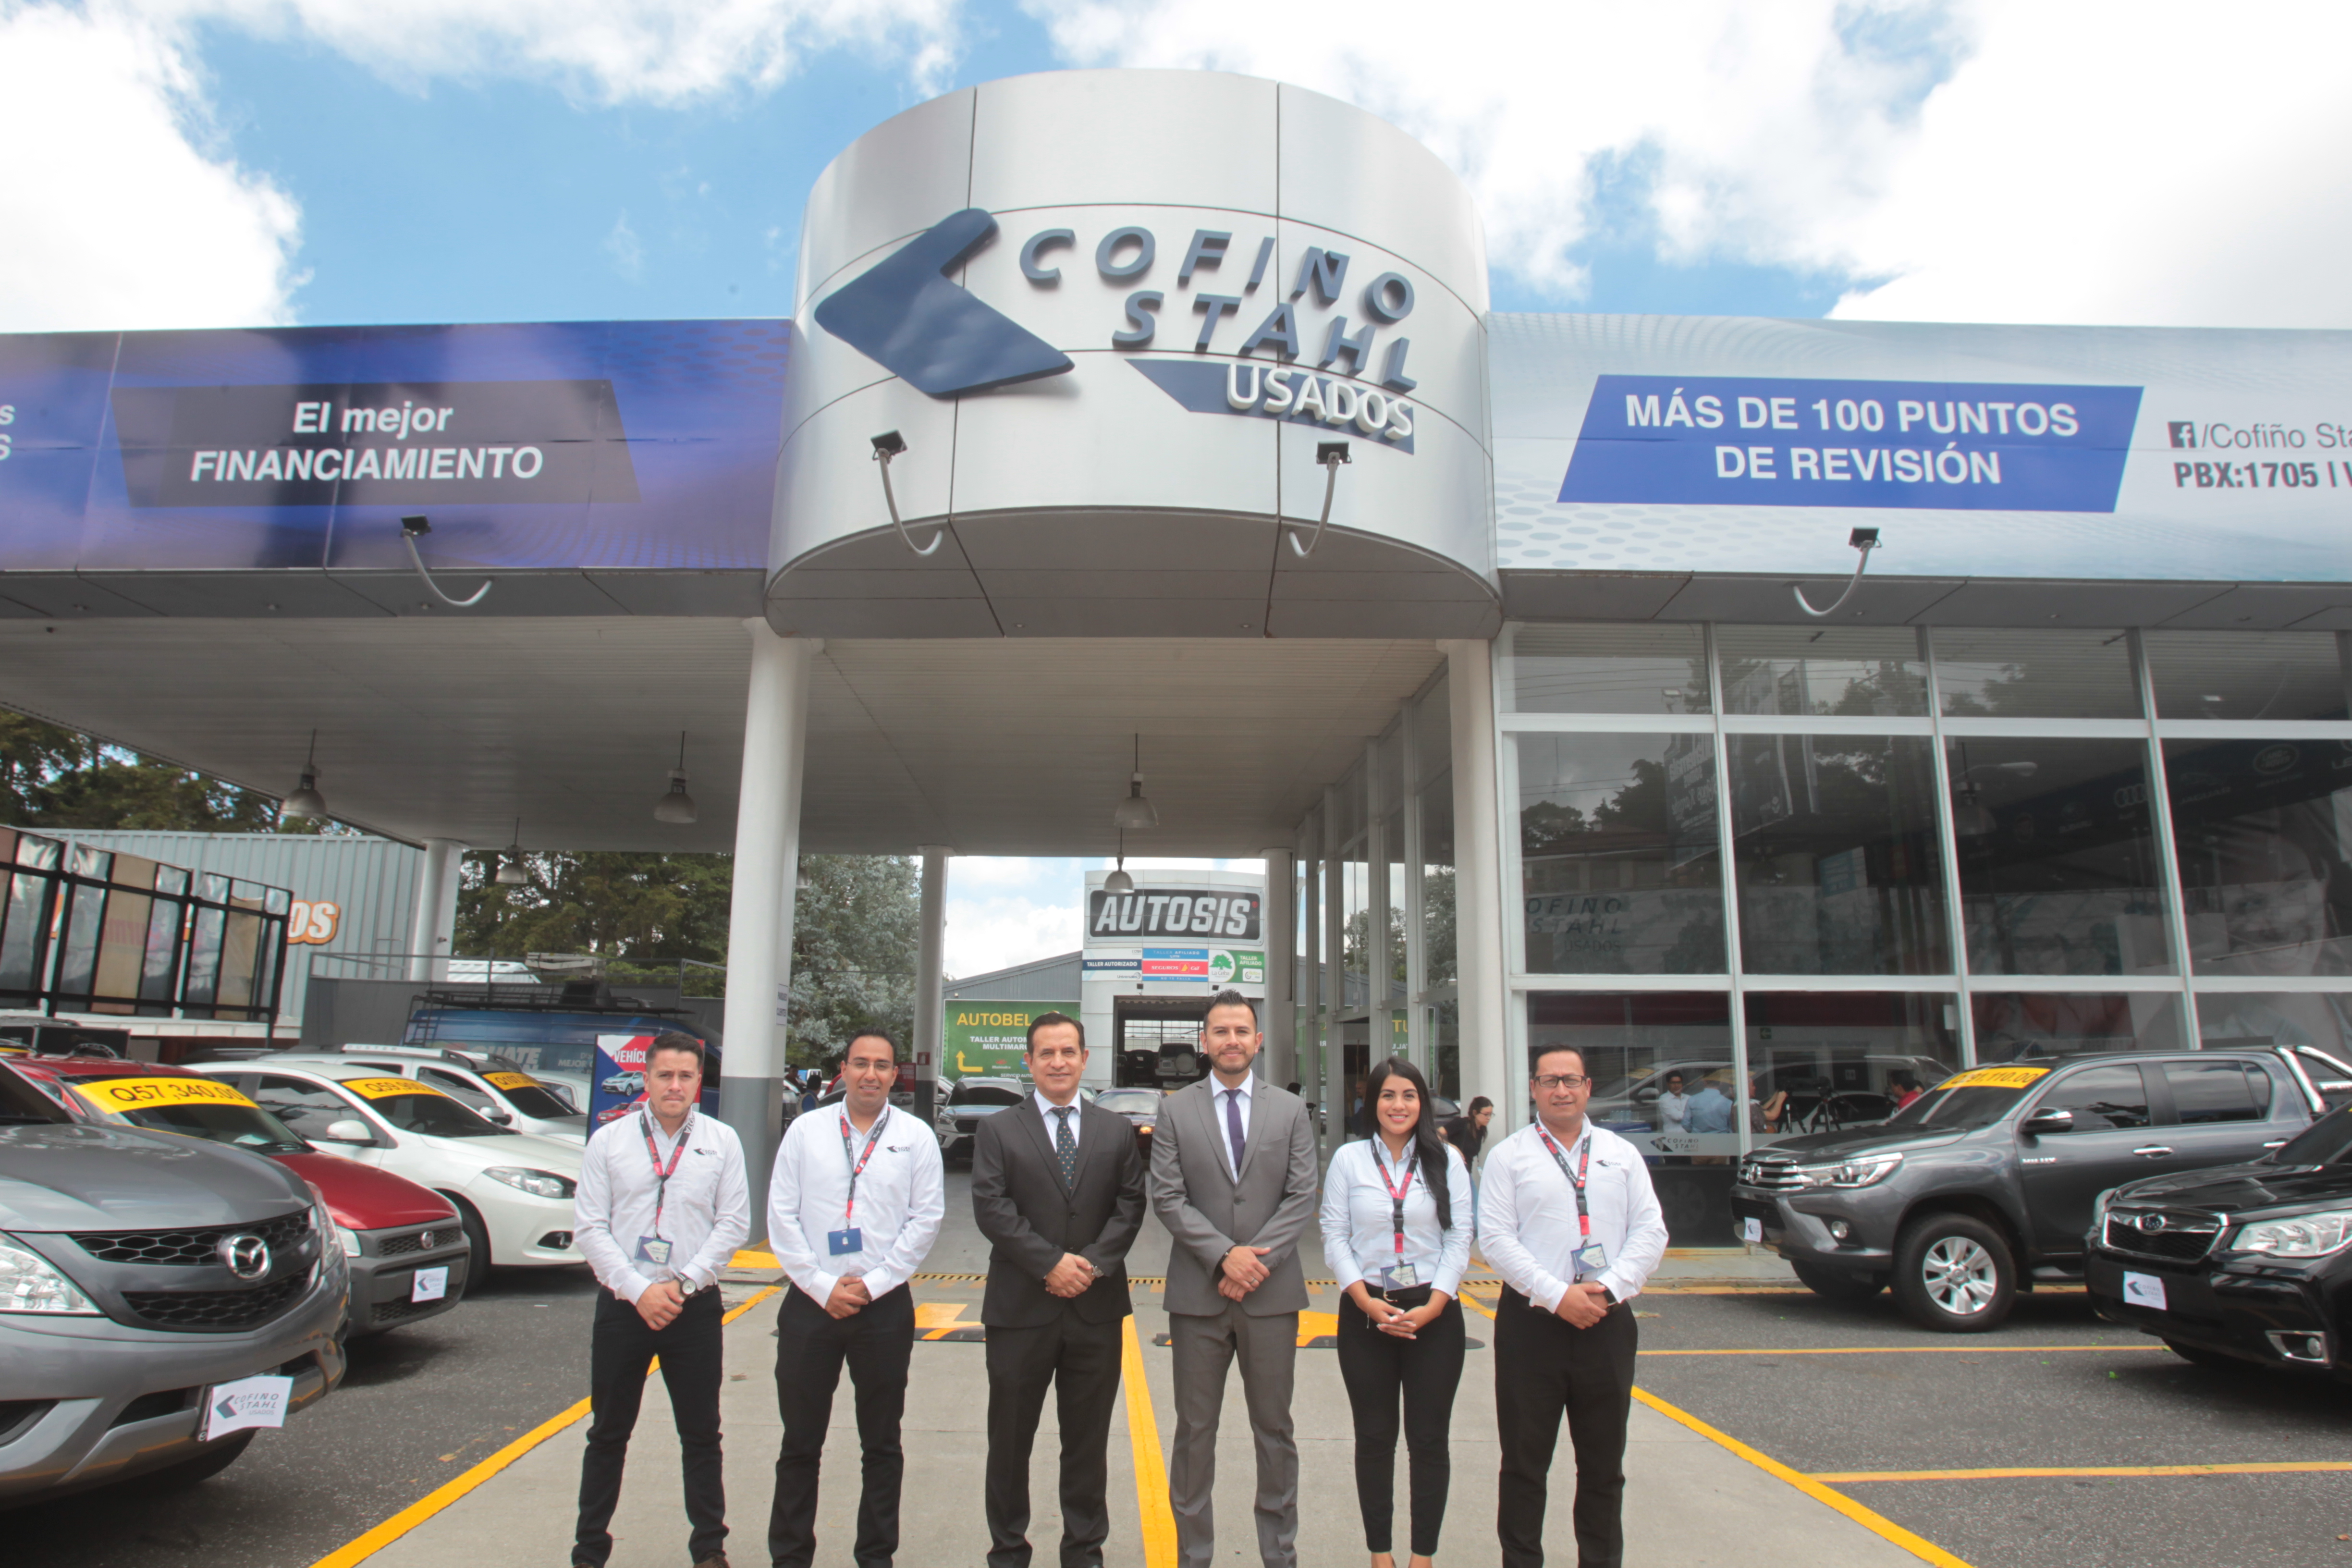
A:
<point x="1985" y="1184"/>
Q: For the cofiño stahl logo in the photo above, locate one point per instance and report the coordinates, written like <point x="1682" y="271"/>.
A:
<point x="1325" y="353"/>
<point x="374" y="444"/>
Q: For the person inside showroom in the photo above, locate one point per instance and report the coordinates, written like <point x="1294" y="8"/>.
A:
<point x="662" y="1206"/>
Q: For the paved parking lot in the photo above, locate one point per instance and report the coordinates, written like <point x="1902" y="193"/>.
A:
<point x="1770" y="1410"/>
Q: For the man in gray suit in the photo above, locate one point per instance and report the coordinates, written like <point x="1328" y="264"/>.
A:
<point x="1233" y="1180"/>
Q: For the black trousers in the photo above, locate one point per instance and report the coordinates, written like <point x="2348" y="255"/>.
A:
<point x="1081" y="1361"/>
<point x="1424" y="1372"/>
<point x="1543" y="1367"/>
<point x="877" y="1343"/>
<point x="621" y="1347"/>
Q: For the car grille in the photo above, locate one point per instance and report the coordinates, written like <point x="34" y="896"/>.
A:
<point x="399" y="1312"/>
<point x="217" y="1311"/>
<point x="416" y="1241"/>
<point x="2165" y="1237"/>
<point x="1773" y="1173"/>
<point x="1749" y="1209"/>
<point x="191" y="1247"/>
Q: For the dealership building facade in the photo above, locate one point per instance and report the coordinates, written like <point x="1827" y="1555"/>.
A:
<point x="1158" y="423"/>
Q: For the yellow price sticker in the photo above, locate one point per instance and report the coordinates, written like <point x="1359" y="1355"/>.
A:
<point x="509" y="1080"/>
<point x="129" y="1094"/>
<point x="1996" y="1078"/>
<point x="387" y="1087"/>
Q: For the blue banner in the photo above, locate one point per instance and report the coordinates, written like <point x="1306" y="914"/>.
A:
<point x="1941" y="445"/>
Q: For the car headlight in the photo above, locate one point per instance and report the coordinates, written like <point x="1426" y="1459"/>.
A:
<point x="1867" y="1171"/>
<point x="30" y="1283"/>
<point x="350" y="1238"/>
<point x="2306" y="1235"/>
<point x="538" y="1184"/>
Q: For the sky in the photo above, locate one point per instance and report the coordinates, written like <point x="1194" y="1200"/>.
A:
<point x="239" y="163"/>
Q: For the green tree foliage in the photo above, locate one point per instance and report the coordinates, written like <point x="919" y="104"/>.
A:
<point x="53" y="780"/>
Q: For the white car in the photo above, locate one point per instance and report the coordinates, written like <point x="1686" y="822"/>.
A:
<point x="512" y="1190"/>
<point x="491" y="1087"/>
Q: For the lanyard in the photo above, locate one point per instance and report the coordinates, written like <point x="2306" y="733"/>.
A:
<point x="857" y="1164"/>
<point x="1575" y="1178"/>
<point x="661" y="1175"/>
<point x="1397" y="1194"/>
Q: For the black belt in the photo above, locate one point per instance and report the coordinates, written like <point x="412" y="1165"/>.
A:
<point x="1407" y="1297"/>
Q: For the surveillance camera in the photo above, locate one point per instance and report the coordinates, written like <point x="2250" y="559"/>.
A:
<point x="1331" y="452"/>
<point x="415" y="527"/>
<point x="889" y="444"/>
<point x="1862" y="538"/>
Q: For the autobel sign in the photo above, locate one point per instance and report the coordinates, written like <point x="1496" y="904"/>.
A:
<point x="1324" y="352"/>
<point x="1173" y="912"/>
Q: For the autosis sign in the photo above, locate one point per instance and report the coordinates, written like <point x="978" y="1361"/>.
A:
<point x="1319" y="346"/>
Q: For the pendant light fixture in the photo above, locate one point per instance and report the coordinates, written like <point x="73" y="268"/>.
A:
<point x="1119" y="881"/>
<point x="306" y="804"/>
<point x="510" y="871"/>
<point x="676" y="806"/>
<point x="1135" y="812"/>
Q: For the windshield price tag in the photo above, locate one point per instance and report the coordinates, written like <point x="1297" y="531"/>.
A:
<point x="429" y="1284"/>
<point x="387" y="1087"/>
<point x="247" y="1403"/>
<point x="1996" y="1078"/>
<point x="128" y="1094"/>
<point x="509" y="1080"/>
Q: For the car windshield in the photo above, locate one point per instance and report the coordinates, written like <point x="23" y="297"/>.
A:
<point x="1978" y="1097"/>
<point x="245" y="1127"/>
<point x="21" y="1104"/>
<point x="1128" y="1099"/>
<point x="984" y="1094"/>
<point x="536" y="1099"/>
<point x="2326" y="1142"/>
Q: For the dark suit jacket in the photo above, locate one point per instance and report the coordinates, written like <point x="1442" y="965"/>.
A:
<point x="1030" y="1219"/>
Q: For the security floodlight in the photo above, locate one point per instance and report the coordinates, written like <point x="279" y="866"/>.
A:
<point x="886" y="446"/>
<point x="676" y="806"/>
<point x="1862" y="539"/>
<point x="415" y="527"/>
<point x="306" y="804"/>
<point x="412" y="529"/>
<point x="1329" y="455"/>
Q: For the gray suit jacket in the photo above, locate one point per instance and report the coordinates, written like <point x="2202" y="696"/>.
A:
<point x="1208" y="1213"/>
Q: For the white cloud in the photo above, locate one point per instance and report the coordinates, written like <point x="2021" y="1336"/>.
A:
<point x="628" y="251"/>
<point x="987" y="934"/>
<point x="123" y="211"/>
<point x="1966" y="160"/>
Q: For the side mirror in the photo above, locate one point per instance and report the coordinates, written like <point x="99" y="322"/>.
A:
<point x="503" y="1118"/>
<point x="348" y="1131"/>
<point x="2042" y="1123"/>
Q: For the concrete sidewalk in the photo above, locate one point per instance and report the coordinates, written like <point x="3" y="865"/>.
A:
<point x="1690" y="1502"/>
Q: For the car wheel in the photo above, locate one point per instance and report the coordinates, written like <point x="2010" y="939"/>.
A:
<point x="1834" y="1285"/>
<point x="216" y="1457"/>
<point x="2204" y="1357"/>
<point x="477" y="1245"/>
<point x="1955" y="1274"/>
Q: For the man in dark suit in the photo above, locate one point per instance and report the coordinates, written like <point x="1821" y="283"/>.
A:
<point x="1057" y="1188"/>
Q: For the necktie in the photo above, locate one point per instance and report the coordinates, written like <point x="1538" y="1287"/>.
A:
<point x="1066" y="1147"/>
<point x="1234" y="1128"/>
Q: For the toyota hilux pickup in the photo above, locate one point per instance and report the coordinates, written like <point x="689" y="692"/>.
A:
<point x="1984" y="1185"/>
<point x="139" y="1272"/>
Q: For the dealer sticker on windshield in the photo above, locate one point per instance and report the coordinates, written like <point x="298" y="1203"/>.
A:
<point x="387" y="1087"/>
<point x="509" y="1080"/>
<point x="2143" y="1290"/>
<point x="127" y="1094"/>
<point x="1995" y="1078"/>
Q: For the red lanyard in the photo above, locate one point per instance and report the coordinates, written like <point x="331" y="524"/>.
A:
<point x="858" y="1164"/>
<point x="662" y="1176"/>
<point x="1575" y="1177"/>
<point x="1397" y="1194"/>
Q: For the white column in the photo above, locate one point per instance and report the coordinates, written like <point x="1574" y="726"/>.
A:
<point x="931" y="971"/>
<point x="1335" y="971"/>
<point x="1308" y="982"/>
<point x="1487" y="1067"/>
<point x="760" y="915"/>
<point x="1277" y="925"/>
<point x="433" y="924"/>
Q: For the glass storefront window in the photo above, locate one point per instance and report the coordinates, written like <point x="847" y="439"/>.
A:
<point x="1393" y="847"/>
<point x="2057" y="857"/>
<point x="2262" y="828"/>
<point x="1649" y="1054"/>
<point x="2247" y="675"/>
<point x="2017" y="1026"/>
<point x="1835" y="849"/>
<point x="1438" y="967"/>
<point x="1823" y="1061"/>
<point x="1619" y="866"/>
<point x="2318" y="1020"/>
<point x="2009" y="674"/>
<point x="1618" y="668"/>
<point x="1843" y="670"/>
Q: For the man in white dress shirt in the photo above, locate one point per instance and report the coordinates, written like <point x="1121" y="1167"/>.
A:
<point x="853" y="1207"/>
<point x="661" y="1207"/>
<point x="1566" y="1216"/>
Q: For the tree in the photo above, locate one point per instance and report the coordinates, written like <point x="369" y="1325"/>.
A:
<point x="54" y="781"/>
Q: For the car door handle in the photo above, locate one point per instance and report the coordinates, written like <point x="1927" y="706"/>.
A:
<point x="2152" y="1149"/>
<point x="2275" y="1143"/>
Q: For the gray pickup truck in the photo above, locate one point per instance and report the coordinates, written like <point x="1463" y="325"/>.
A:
<point x="138" y="1270"/>
<point x="1984" y="1185"/>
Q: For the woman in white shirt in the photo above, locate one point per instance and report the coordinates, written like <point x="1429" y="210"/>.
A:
<point x="1397" y="1214"/>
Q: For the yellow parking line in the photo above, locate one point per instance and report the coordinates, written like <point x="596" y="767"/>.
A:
<point x="1912" y="1349"/>
<point x="2028" y="1473"/>
<point x="366" y="1546"/>
<point x="1157" y="1520"/>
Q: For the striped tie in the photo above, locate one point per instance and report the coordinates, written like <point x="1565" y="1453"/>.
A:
<point x="1065" y="1146"/>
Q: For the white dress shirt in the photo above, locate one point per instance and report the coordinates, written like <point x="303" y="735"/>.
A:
<point x="1359" y="1218"/>
<point x="1218" y="1092"/>
<point x="1046" y="1108"/>
<point x="1527" y="1215"/>
<point x="706" y="1209"/>
<point x="1672" y="1109"/>
<point x="901" y="1198"/>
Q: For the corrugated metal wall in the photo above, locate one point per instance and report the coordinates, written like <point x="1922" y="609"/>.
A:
<point x="371" y="881"/>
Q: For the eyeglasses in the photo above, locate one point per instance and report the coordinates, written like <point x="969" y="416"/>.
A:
<point x="1552" y="1080"/>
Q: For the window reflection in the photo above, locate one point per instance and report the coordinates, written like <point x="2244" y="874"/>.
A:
<point x="1610" y="669"/>
<point x="1619" y="859"/>
<point x="2315" y="1020"/>
<point x="2017" y="1026"/>
<point x="1824" y="1061"/>
<point x="2015" y="674"/>
<point x="1845" y="670"/>
<point x="2260" y="828"/>
<point x="1834" y="839"/>
<point x="2057" y="857"/>
<point x="2247" y="675"/>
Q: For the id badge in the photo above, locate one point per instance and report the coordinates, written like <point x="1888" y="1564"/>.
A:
<point x="1590" y="1258"/>
<point x="653" y="1250"/>
<point x="1404" y="1277"/>
<point x="842" y="1242"/>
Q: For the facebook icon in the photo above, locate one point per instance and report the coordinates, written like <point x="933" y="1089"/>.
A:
<point x="2182" y="431"/>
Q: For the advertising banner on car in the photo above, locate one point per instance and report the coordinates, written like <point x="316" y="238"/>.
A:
<point x="1677" y="444"/>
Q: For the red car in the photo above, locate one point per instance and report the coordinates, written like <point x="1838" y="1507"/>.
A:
<point x="406" y="1248"/>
